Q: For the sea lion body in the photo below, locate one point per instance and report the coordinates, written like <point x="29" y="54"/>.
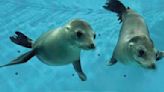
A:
<point x="132" y="25"/>
<point x="53" y="48"/>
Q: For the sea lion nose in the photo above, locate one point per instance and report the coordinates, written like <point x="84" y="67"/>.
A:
<point x="92" y="46"/>
<point x="152" y="66"/>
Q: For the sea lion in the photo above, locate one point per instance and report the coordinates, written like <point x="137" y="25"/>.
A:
<point x="134" y="43"/>
<point x="58" y="47"/>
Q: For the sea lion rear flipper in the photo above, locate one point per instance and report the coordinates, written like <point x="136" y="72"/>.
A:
<point x="21" y="39"/>
<point x="159" y="55"/>
<point x="115" y="6"/>
<point x="112" y="61"/>
<point x="21" y="59"/>
<point x="78" y="69"/>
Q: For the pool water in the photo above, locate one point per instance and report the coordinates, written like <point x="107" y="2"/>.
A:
<point x="34" y="17"/>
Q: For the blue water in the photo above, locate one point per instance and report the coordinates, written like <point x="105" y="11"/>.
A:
<point x="34" y="17"/>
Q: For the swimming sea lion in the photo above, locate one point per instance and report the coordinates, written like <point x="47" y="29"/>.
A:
<point x="58" y="47"/>
<point x="134" y="43"/>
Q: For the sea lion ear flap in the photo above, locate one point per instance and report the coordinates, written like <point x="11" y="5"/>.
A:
<point x="68" y="27"/>
<point x="131" y="44"/>
<point x="135" y="40"/>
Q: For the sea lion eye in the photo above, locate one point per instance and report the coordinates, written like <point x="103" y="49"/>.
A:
<point x="79" y="34"/>
<point x="141" y="53"/>
<point x="94" y="36"/>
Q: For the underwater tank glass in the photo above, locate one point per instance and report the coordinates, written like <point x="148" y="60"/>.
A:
<point x="34" y="17"/>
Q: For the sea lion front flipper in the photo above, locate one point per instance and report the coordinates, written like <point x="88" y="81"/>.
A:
<point x="78" y="69"/>
<point x="112" y="61"/>
<point x="21" y="59"/>
<point x="159" y="55"/>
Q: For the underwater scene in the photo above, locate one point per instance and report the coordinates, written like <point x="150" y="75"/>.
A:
<point x="81" y="46"/>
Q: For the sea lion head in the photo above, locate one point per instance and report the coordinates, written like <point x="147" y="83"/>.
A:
<point x="81" y="34"/>
<point x="142" y="51"/>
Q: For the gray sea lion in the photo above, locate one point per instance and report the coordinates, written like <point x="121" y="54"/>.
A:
<point x="134" y="43"/>
<point x="58" y="47"/>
